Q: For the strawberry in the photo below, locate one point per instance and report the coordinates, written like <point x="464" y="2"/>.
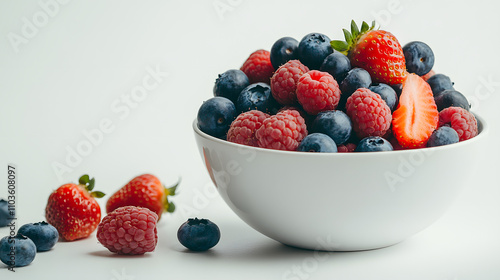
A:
<point x="143" y="191"/>
<point x="416" y="116"/>
<point x="72" y="209"/>
<point x="376" y="51"/>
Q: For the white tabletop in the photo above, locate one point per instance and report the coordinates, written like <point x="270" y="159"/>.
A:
<point x="69" y="69"/>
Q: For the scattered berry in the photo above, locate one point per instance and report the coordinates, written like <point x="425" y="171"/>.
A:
<point x="256" y="97"/>
<point x="338" y="65"/>
<point x="282" y="131"/>
<point x="284" y="81"/>
<point x="198" y="234"/>
<point x="6" y="215"/>
<point x="313" y="49"/>
<point x="44" y="235"/>
<point x="419" y="57"/>
<point x="73" y="210"/>
<point x="143" y="191"/>
<point x="417" y="115"/>
<point x="369" y="113"/>
<point x="439" y="83"/>
<point x="242" y="130"/>
<point x="317" y="143"/>
<point x="373" y="144"/>
<point x="129" y="230"/>
<point x="376" y="51"/>
<point x="387" y="93"/>
<point x="444" y="135"/>
<point x="461" y="120"/>
<point x="317" y="91"/>
<point x="355" y="79"/>
<point x="451" y="98"/>
<point x="215" y="116"/>
<point x="346" y="148"/>
<point x="230" y="83"/>
<point x="258" y="67"/>
<point x="17" y="251"/>
<point x="283" y="50"/>
<point x="335" y="124"/>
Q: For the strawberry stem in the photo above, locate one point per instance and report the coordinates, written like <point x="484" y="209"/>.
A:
<point x="170" y="191"/>
<point x="89" y="185"/>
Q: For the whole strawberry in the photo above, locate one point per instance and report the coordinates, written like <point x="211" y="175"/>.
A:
<point x="143" y="191"/>
<point x="376" y="51"/>
<point x="73" y="210"/>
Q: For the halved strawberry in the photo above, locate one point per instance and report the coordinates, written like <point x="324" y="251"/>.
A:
<point x="376" y="51"/>
<point x="417" y="115"/>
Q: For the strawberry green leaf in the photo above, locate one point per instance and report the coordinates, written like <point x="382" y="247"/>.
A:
<point x="171" y="207"/>
<point x="340" y="46"/>
<point x="364" y="27"/>
<point x="91" y="184"/>
<point x="348" y="37"/>
<point x="84" y="179"/>
<point x="354" y="29"/>
<point x="373" y="25"/>
<point x="97" y="194"/>
<point x="172" y="190"/>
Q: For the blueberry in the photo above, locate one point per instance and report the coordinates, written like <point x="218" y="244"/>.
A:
<point x="335" y="124"/>
<point x="6" y="215"/>
<point x="444" y="135"/>
<point x="317" y="143"/>
<point x="338" y="65"/>
<point x="356" y="78"/>
<point x="398" y="88"/>
<point x="198" y="234"/>
<point x="17" y="251"/>
<point x="387" y="93"/>
<point x="283" y="50"/>
<point x="439" y="83"/>
<point x="230" y="83"/>
<point x="256" y="96"/>
<point x="373" y="144"/>
<point x="313" y="49"/>
<point x="44" y="235"/>
<point x="448" y="98"/>
<point x="419" y="57"/>
<point x="216" y="115"/>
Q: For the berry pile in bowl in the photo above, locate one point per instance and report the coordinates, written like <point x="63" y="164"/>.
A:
<point x="300" y="141"/>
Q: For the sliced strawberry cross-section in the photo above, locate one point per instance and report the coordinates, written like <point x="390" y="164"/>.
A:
<point x="417" y="115"/>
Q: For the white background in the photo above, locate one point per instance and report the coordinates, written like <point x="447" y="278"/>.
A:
<point x="61" y="79"/>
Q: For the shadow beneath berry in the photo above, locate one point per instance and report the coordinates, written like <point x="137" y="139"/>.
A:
<point x="108" y="254"/>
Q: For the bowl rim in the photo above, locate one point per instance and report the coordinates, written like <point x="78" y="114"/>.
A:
<point x="483" y="130"/>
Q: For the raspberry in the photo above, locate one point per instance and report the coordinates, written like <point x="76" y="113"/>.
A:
<point x="258" y="67"/>
<point x="284" y="81"/>
<point x="369" y="113"/>
<point x="317" y="91"/>
<point x="242" y="130"/>
<point x="129" y="230"/>
<point x="282" y="131"/>
<point x="346" y="148"/>
<point x="461" y="120"/>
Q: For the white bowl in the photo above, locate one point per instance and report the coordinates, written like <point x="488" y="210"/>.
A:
<point x="339" y="201"/>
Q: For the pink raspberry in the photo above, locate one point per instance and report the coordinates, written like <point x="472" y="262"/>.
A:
<point x="284" y="81"/>
<point x="242" y="130"/>
<point x="317" y="91"/>
<point x="461" y="120"/>
<point x="346" y="148"/>
<point x="129" y="230"/>
<point x="282" y="131"/>
<point x="258" y="67"/>
<point x="369" y="113"/>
